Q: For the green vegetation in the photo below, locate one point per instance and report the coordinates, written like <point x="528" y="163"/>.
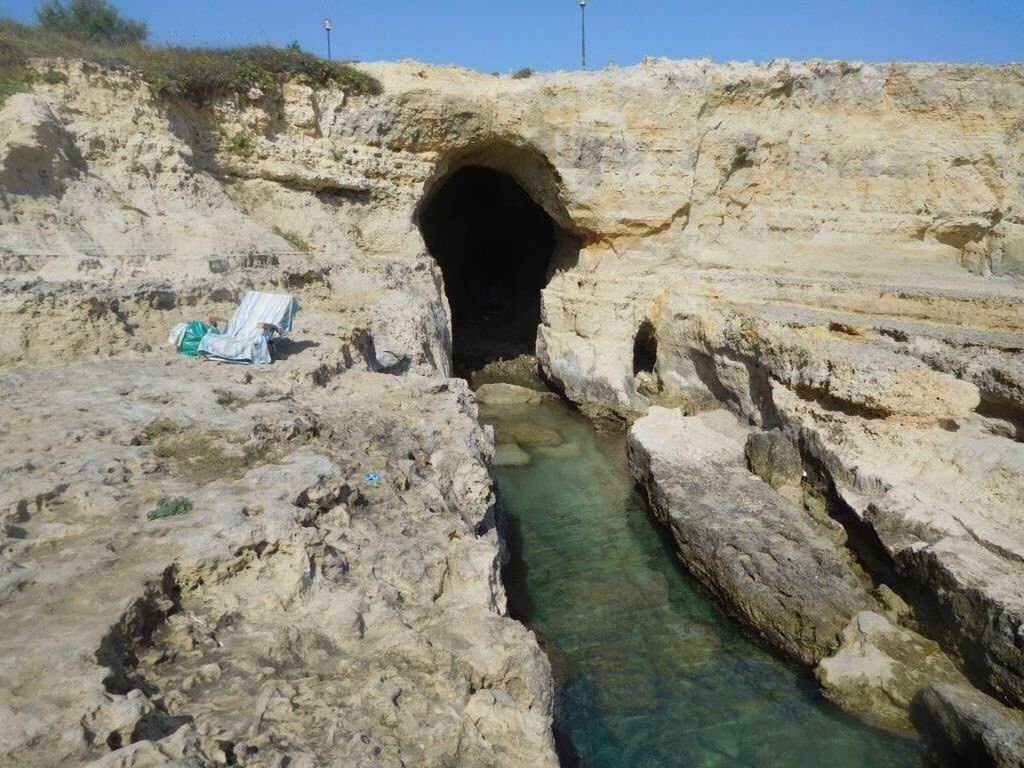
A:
<point x="94" y="20"/>
<point x="53" y="77"/>
<point x="168" y="507"/>
<point x="294" y="240"/>
<point x="159" y="428"/>
<point x="196" y="75"/>
<point x="15" y="76"/>
<point x="203" y="457"/>
<point x="241" y="144"/>
<point x="522" y="74"/>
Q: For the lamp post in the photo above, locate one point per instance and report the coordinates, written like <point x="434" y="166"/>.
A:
<point x="328" y="26"/>
<point x="583" y="31"/>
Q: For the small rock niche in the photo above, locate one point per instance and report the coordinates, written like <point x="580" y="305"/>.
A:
<point x="645" y="359"/>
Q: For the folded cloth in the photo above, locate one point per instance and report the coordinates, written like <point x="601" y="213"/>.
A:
<point x="186" y="337"/>
<point x="244" y="340"/>
<point x="177" y="335"/>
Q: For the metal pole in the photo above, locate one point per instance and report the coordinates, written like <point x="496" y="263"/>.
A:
<point x="583" y="32"/>
<point x="328" y="26"/>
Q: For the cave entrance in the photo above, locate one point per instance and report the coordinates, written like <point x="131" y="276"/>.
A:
<point x="496" y="248"/>
<point x="645" y="349"/>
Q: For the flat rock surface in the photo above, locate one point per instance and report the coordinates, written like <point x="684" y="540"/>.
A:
<point x="301" y="612"/>
<point x="763" y="556"/>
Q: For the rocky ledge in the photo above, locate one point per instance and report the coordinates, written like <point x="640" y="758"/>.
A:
<point x="832" y="251"/>
<point x="779" y="567"/>
<point x="329" y="593"/>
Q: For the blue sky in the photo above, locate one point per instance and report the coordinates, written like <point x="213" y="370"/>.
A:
<point x="492" y="35"/>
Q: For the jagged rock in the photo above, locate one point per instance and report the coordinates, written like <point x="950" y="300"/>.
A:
<point x="977" y="729"/>
<point x="284" y="599"/>
<point x="856" y="287"/>
<point x="764" y="557"/>
<point x="510" y="394"/>
<point x="880" y="669"/>
<point x="772" y="457"/>
<point x="115" y="723"/>
<point x="984" y="594"/>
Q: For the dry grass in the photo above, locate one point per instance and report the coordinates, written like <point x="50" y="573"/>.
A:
<point x="294" y="240"/>
<point x="196" y="75"/>
<point x="203" y="457"/>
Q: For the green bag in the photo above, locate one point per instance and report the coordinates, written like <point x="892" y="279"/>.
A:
<point x="194" y="333"/>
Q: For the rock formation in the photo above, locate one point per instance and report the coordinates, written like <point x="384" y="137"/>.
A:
<point x="831" y="250"/>
<point x="761" y="555"/>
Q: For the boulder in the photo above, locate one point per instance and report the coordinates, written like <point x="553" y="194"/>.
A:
<point x="773" y="457"/>
<point x="974" y="728"/>
<point x="880" y="669"/>
<point x="765" y="558"/>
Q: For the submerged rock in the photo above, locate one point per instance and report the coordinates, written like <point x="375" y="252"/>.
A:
<point x="511" y="394"/>
<point x="563" y="451"/>
<point x="526" y="433"/>
<point x="763" y="556"/>
<point x="510" y="455"/>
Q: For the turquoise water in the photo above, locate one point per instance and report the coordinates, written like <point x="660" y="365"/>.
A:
<point x="652" y="673"/>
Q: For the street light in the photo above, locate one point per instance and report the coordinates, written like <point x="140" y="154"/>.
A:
<point x="328" y="26"/>
<point x="583" y="30"/>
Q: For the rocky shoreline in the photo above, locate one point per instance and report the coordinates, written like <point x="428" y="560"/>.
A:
<point x="830" y="251"/>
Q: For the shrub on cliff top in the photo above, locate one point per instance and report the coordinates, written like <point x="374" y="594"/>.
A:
<point x="94" y="20"/>
<point x="194" y="74"/>
<point x="15" y="76"/>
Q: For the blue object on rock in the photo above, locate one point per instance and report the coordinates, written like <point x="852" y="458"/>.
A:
<point x="371" y="477"/>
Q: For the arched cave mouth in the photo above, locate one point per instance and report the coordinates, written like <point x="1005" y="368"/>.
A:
<point x="496" y="246"/>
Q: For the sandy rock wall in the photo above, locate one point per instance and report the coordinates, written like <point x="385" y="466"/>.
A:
<point x="833" y="250"/>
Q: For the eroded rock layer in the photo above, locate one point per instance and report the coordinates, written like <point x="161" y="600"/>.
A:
<point x="832" y="250"/>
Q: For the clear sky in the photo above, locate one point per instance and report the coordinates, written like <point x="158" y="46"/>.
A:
<point x="496" y="35"/>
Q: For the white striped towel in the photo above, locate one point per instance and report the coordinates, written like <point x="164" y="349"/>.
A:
<point x="243" y="341"/>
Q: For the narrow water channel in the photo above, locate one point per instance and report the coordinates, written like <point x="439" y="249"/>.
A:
<point x="653" y="674"/>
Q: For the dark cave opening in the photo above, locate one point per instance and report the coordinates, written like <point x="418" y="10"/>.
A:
<point x="495" y="246"/>
<point x="645" y="349"/>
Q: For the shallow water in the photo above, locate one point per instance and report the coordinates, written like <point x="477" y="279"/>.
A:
<point x="654" y="674"/>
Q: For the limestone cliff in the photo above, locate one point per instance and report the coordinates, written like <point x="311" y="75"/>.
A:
<point x="832" y="249"/>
